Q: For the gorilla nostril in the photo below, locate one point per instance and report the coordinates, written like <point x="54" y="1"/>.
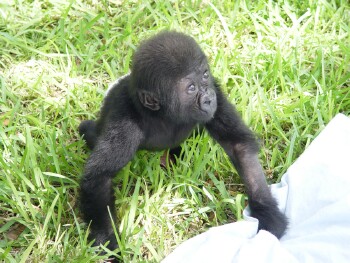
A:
<point x="207" y="102"/>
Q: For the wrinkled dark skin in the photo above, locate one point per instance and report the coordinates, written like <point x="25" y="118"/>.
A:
<point x="169" y="92"/>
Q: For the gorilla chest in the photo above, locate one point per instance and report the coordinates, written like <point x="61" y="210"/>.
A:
<point x="160" y="137"/>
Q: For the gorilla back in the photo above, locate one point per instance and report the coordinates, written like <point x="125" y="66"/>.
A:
<point x="169" y="91"/>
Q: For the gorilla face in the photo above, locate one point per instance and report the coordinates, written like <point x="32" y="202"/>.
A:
<point x="171" y="77"/>
<point x="196" y="95"/>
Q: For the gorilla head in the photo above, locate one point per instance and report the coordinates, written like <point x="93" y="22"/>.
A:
<point x="170" y="75"/>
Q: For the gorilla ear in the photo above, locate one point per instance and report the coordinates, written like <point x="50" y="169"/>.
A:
<point x="149" y="100"/>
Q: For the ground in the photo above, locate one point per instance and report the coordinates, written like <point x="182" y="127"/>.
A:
<point x="284" y="64"/>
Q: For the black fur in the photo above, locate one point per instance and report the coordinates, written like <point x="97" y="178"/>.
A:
<point x="88" y="128"/>
<point x="169" y="92"/>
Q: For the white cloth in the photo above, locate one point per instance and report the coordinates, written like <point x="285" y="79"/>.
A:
<point x="315" y="196"/>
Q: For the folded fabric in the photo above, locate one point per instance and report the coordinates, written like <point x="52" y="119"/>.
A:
<point x="315" y="196"/>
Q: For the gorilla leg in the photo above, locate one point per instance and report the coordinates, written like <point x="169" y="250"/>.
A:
<point x="113" y="150"/>
<point x="170" y="156"/>
<point x="242" y="148"/>
<point x="96" y="194"/>
<point x="88" y="130"/>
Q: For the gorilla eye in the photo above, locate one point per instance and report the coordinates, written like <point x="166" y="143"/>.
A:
<point x="206" y="75"/>
<point x="191" y="88"/>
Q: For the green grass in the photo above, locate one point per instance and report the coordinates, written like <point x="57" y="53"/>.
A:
<point x="285" y="64"/>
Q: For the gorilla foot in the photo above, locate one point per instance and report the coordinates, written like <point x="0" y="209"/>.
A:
<point x="270" y="218"/>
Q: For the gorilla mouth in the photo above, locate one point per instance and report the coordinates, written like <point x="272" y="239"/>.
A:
<point x="208" y="113"/>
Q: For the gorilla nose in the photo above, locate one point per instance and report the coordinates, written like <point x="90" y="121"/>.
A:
<point x="203" y="89"/>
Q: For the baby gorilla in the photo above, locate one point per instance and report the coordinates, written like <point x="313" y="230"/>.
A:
<point x="169" y="92"/>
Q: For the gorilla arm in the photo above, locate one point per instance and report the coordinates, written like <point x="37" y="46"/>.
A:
<point x="240" y="145"/>
<point x="114" y="149"/>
